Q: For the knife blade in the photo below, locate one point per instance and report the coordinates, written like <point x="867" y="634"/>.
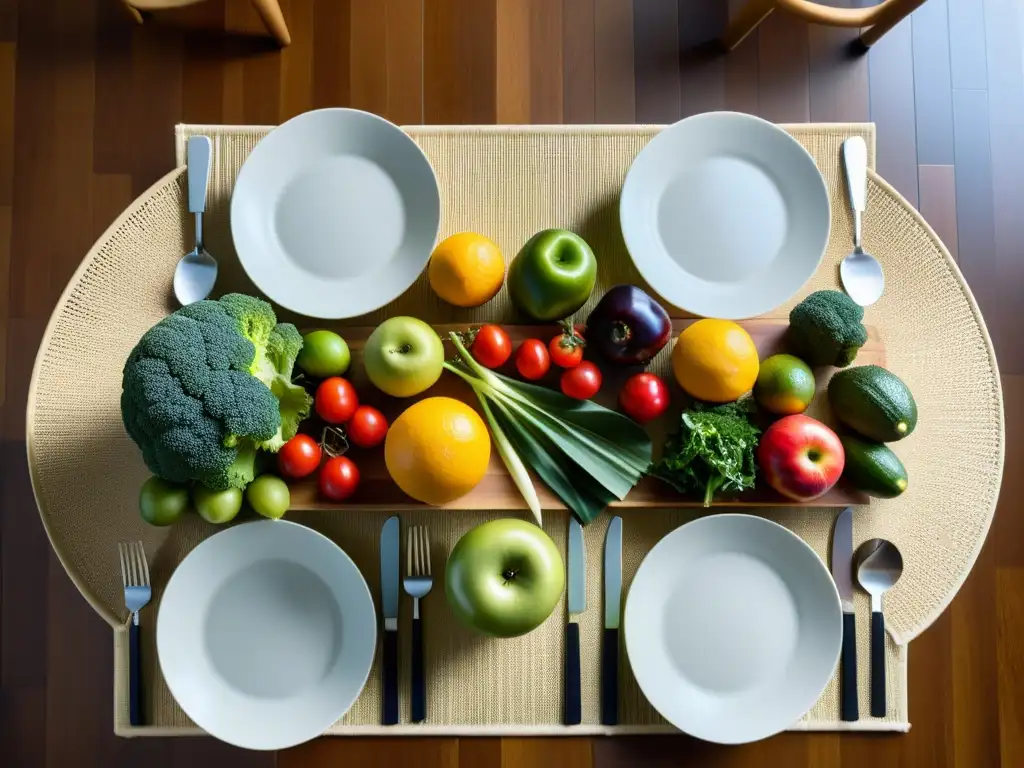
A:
<point x="842" y="574"/>
<point x="389" y="585"/>
<point x="612" y="610"/>
<point x="577" y="576"/>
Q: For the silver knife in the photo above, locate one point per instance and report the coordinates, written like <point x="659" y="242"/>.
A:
<point x="577" y="572"/>
<point x="612" y="605"/>
<point x="842" y="574"/>
<point x="389" y="579"/>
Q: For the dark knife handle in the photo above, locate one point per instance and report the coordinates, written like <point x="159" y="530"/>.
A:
<point x="573" y="705"/>
<point x="610" y="677"/>
<point x="848" y="670"/>
<point x="419" y="680"/>
<point x="390" y="677"/>
<point x="134" y="675"/>
<point x="877" y="665"/>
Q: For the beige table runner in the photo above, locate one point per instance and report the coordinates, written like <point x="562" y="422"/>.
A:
<point x="509" y="182"/>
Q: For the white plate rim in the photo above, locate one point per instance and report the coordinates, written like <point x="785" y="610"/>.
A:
<point x="637" y="249"/>
<point x="242" y="246"/>
<point x="315" y="729"/>
<point x="814" y="561"/>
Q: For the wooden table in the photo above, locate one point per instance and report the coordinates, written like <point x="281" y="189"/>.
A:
<point x="87" y="103"/>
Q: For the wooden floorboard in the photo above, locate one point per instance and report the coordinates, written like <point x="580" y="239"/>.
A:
<point x="88" y="101"/>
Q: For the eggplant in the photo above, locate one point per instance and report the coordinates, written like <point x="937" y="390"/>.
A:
<point x="627" y="326"/>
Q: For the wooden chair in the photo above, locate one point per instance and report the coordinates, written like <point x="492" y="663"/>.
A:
<point x="874" y="21"/>
<point x="269" y="11"/>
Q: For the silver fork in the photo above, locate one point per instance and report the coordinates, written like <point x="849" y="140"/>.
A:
<point x="137" y="593"/>
<point x="417" y="584"/>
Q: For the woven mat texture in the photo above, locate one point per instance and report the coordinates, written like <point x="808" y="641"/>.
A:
<point x="509" y="182"/>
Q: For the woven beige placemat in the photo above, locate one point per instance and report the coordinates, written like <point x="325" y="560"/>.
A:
<point x="509" y="182"/>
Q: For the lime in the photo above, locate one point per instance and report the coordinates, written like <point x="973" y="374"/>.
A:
<point x="162" y="502"/>
<point x="323" y="354"/>
<point x="785" y="385"/>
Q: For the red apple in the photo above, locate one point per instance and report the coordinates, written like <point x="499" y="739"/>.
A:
<point x="800" y="457"/>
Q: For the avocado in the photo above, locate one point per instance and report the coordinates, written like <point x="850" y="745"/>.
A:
<point x="873" y="468"/>
<point x="874" y="402"/>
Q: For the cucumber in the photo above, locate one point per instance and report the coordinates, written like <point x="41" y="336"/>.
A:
<point x="873" y="468"/>
<point x="874" y="402"/>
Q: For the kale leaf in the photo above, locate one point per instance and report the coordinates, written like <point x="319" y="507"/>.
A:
<point x="714" y="449"/>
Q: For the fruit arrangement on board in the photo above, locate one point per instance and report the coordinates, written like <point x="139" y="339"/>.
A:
<point x="229" y="407"/>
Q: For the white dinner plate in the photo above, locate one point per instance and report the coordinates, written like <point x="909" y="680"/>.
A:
<point x="733" y="628"/>
<point x="725" y="215"/>
<point x="266" y="634"/>
<point x="335" y="213"/>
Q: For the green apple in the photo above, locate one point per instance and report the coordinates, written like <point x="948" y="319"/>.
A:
<point x="504" y="577"/>
<point x="553" y="275"/>
<point x="403" y="356"/>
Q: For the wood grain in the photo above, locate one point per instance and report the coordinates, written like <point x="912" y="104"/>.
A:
<point x="87" y="105"/>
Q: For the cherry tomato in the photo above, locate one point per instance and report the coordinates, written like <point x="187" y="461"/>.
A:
<point x="336" y="400"/>
<point x="367" y="427"/>
<point x="339" y="478"/>
<point x="491" y="347"/>
<point x="644" y="396"/>
<point x="532" y="359"/>
<point x="581" y="382"/>
<point x="567" y="348"/>
<point x="299" y="457"/>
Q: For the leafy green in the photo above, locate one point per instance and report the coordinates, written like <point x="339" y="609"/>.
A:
<point x="714" y="450"/>
<point x="587" y="454"/>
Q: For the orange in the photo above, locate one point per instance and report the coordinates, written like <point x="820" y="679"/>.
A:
<point x="437" y="450"/>
<point x="715" y="360"/>
<point x="466" y="269"/>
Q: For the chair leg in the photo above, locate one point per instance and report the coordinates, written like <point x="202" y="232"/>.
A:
<point x="132" y="11"/>
<point x="273" y="19"/>
<point x="746" y="21"/>
<point x="890" y="16"/>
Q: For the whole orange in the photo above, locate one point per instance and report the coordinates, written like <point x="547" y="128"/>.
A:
<point x="466" y="269"/>
<point x="437" y="450"/>
<point x="715" y="360"/>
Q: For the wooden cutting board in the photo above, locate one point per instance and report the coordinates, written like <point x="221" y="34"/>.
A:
<point x="497" y="491"/>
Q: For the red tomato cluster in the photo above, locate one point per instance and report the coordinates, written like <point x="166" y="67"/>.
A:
<point x="337" y="403"/>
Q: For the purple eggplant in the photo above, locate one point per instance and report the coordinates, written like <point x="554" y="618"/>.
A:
<point x="627" y="326"/>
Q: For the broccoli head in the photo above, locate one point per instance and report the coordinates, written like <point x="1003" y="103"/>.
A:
<point x="826" y="329"/>
<point x="208" y="385"/>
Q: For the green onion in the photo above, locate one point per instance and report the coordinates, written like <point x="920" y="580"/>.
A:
<point x="587" y="454"/>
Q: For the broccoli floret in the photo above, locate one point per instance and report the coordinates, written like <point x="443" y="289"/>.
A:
<point x="201" y="391"/>
<point x="826" y="329"/>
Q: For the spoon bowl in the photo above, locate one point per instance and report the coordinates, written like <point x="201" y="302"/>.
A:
<point x="195" y="276"/>
<point x="879" y="567"/>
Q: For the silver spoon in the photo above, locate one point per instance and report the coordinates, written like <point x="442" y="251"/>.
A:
<point x="879" y="565"/>
<point x="196" y="273"/>
<point x="860" y="271"/>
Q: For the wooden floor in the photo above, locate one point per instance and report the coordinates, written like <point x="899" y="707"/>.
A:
<point x="87" y="106"/>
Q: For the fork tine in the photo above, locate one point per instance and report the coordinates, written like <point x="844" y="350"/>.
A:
<point x="408" y="553"/>
<point x="133" y="565"/>
<point x="426" y="549"/>
<point x="124" y="571"/>
<point x="143" y="565"/>
<point x="419" y="552"/>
